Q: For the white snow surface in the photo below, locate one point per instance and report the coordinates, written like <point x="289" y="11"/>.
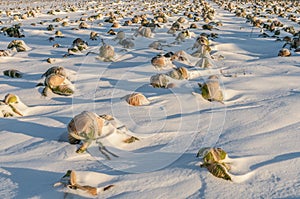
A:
<point x="257" y="125"/>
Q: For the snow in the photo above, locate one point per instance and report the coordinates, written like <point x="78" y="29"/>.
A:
<point x="257" y="124"/>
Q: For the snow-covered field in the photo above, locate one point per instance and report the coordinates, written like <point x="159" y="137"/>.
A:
<point x="257" y="123"/>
